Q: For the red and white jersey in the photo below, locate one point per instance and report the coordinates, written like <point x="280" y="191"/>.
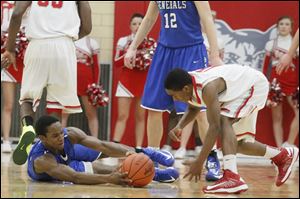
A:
<point x="278" y="47"/>
<point x="50" y="19"/>
<point x="86" y="47"/>
<point x="239" y="79"/>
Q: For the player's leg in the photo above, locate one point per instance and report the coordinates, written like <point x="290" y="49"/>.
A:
<point x="231" y="182"/>
<point x="64" y="119"/>
<point x="91" y="114"/>
<point x="8" y="91"/>
<point x="294" y="127"/>
<point x="277" y="124"/>
<point x="140" y="114"/>
<point x="124" y="104"/>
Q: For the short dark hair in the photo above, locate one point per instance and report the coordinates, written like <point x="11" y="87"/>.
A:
<point x="177" y="79"/>
<point x="42" y="124"/>
<point x="138" y="15"/>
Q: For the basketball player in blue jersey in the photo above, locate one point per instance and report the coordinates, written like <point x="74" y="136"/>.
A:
<point x="68" y="154"/>
<point x="180" y="44"/>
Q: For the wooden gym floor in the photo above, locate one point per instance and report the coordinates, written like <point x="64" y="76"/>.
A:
<point x="259" y="175"/>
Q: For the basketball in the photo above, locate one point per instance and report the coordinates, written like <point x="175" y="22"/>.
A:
<point x="140" y="169"/>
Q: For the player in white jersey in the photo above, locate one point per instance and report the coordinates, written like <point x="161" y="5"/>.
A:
<point x="233" y="95"/>
<point x="50" y="60"/>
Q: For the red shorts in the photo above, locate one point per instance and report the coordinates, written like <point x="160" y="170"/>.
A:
<point x="85" y="76"/>
<point x="289" y="80"/>
<point x="16" y="76"/>
<point x="134" y="80"/>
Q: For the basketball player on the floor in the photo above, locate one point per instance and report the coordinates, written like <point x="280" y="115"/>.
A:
<point x="233" y="95"/>
<point x="68" y="154"/>
<point x="180" y="44"/>
<point x="52" y="28"/>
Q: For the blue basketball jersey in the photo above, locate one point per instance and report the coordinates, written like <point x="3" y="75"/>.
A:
<point x="180" y="24"/>
<point x="73" y="152"/>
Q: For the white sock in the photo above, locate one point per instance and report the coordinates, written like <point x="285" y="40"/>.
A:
<point x="271" y="152"/>
<point x="230" y="163"/>
<point x="155" y="148"/>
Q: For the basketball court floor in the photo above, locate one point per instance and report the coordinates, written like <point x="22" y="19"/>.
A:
<point x="258" y="173"/>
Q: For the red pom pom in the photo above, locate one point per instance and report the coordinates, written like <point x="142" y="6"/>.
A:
<point x="97" y="96"/>
<point x="144" y="54"/>
<point x="275" y="93"/>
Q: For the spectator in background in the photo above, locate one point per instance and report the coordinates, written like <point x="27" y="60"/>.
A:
<point x="88" y="72"/>
<point x="284" y="84"/>
<point x="130" y="87"/>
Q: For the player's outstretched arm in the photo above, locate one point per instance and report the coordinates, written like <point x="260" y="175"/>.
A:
<point x="47" y="164"/>
<point x="110" y="149"/>
<point x="210" y="97"/>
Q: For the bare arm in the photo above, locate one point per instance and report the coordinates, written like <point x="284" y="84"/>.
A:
<point x="14" y="26"/>
<point x="147" y="24"/>
<point x="208" y="23"/>
<point x="286" y="59"/>
<point x="84" y="11"/>
<point x="15" y="23"/>
<point x="210" y="97"/>
<point x="47" y="164"/>
<point x="110" y="149"/>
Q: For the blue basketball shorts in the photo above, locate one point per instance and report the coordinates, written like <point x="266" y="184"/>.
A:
<point x="83" y="158"/>
<point x="165" y="60"/>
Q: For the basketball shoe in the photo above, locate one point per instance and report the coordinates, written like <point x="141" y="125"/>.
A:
<point x="166" y="175"/>
<point x="229" y="183"/>
<point x="213" y="167"/>
<point x="164" y="158"/>
<point x="284" y="162"/>
<point x="21" y="152"/>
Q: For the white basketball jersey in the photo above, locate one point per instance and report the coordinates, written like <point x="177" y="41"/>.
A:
<point x="49" y="19"/>
<point x="238" y="79"/>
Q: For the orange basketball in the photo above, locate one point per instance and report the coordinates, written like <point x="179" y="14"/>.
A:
<point x="140" y="169"/>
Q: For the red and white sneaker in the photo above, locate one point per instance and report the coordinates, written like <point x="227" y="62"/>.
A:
<point x="284" y="162"/>
<point x="229" y="183"/>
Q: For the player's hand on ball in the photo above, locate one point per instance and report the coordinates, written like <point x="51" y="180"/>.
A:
<point x="119" y="178"/>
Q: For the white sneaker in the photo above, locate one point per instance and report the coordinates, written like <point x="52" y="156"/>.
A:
<point x="286" y="144"/>
<point x="180" y="153"/>
<point x="6" y="147"/>
<point x="197" y="150"/>
<point x="167" y="148"/>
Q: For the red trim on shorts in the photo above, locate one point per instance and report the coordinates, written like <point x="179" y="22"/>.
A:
<point x="245" y="102"/>
<point x="246" y="133"/>
<point x="53" y="110"/>
<point x="195" y="89"/>
<point x="70" y="107"/>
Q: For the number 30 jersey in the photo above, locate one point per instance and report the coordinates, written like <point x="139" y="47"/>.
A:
<point x="50" y="19"/>
<point x="180" y="24"/>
